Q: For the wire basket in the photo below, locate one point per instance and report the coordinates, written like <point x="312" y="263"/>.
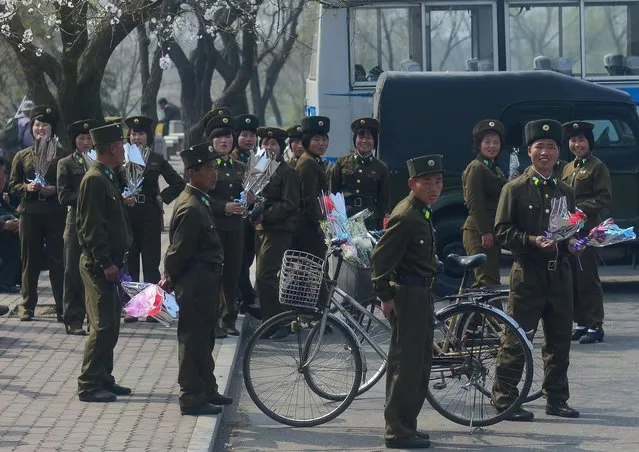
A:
<point x="301" y="279"/>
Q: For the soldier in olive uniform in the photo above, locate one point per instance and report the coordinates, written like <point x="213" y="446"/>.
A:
<point x="590" y="179"/>
<point x="295" y="144"/>
<point x="404" y="263"/>
<point x="276" y="226"/>
<point x="361" y="177"/>
<point x="105" y="236"/>
<point x="540" y="279"/>
<point x="482" y="181"/>
<point x="246" y="140"/>
<point x="71" y="170"/>
<point x="313" y="181"/>
<point x="42" y="217"/>
<point x="193" y="265"/>
<point x="146" y="213"/>
<point x="228" y="216"/>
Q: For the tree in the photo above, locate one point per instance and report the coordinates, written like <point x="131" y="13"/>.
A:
<point x="279" y="23"/>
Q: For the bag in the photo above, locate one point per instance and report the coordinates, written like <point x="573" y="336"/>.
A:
<point x="10" y="136"/>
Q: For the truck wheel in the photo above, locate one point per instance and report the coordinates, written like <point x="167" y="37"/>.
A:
<point x="448" y="235"/>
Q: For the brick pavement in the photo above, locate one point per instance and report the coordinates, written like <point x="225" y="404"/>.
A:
<point x="39" y="366"/>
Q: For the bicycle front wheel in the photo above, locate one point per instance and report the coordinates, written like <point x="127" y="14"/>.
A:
<point x="464" y="369"/>
<point x="277" y="372"/>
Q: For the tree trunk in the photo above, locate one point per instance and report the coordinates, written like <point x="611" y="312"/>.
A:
<point x="151" y="76"/>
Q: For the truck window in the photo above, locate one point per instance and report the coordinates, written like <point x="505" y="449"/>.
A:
<point x="612" y="133"/>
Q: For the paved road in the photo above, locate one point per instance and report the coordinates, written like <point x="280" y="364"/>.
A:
<point x="604" y="382"/>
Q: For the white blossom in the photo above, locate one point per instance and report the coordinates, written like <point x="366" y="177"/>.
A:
<point x="166" y="63"/>
<point x="27" y="36"/>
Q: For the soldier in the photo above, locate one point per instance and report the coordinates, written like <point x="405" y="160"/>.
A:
<point x="540" y="279"/>
<point x="227" y="213"/>
<point x="482" y="181"/>
<point x="276" y="225"/>
<point x="313" y="181"/>
<point x="404" y="263"/>
<point x="361" y="177"/>
<point x="71" y="170"/>
<point x="295" y="144"/>
<point x="42" y="217"/>
<point x="246" y="140"/>
<point x="589" y="177"/>
<point x="9" y="239"/>
<point x="193" y="266"/>
<point x="146" y="213"/>
<point x="105" y="236"/>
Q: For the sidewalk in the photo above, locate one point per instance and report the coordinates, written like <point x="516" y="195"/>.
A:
<point x="39" y="366"/>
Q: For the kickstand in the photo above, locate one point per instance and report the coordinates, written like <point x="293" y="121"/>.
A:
<point x="474" y="430"/>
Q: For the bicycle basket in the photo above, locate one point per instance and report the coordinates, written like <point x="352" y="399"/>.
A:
<point x="301" y="279"/>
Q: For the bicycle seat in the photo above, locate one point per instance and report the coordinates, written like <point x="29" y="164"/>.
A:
<point x="467" y="262"/>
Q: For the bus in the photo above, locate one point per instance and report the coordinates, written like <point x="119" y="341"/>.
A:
<point x="355" y="41"/>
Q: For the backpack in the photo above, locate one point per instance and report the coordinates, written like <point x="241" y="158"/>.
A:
<point x="10" y="136"/>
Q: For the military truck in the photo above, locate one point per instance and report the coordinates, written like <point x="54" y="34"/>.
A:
<point x="430" y="112"/>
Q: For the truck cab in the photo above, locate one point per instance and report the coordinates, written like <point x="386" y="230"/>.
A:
<point x="425" y="113"/>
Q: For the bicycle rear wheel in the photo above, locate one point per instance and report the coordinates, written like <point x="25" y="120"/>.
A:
<point x="537" y="337"/>
<point x="276" y="372"/>
<point x="464" y="365"/>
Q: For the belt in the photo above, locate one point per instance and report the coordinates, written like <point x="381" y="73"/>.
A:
<point x="414" y="280"/>
<point x="40" y="197"/>
<point x="359" y="202"/>
<point x="551" y="264"/>
<point x="87" y="253"/>
<point x="140" y="199"/>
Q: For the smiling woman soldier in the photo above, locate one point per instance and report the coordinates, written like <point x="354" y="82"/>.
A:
<point x="483" y="181"/>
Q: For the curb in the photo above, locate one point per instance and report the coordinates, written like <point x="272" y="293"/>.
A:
<point x="207" y="427"/>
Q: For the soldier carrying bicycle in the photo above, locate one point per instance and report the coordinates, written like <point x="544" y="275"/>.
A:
<point x="540" y="279"/>
<point x="404" y="264"/>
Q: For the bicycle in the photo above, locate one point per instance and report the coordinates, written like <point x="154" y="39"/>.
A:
<point x="456" y="358"/>
<point x="499" y="299"/>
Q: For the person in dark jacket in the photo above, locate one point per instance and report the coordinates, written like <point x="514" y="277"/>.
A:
<point x="171" y="113"/>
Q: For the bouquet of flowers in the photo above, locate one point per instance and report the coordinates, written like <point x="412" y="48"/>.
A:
<point x="357" y="246"/>
<point x="259" y="169"/>
<point x="562" y="224"/>
<point x="148" y="300"/>
<point x="605" y="234"/>
<point x="89" y="158"/>
<point x="43" y="155"/>
<point x="134" y="166"/>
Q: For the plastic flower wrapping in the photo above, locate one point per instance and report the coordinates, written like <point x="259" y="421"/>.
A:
<point x="44" y="153"/>
<point x="134" y="165"/>
<point x="89" y="158"/>
<point x="513" y="165"/>
<point x="259" y="169"/>
<point x="148" y="300"/>
<point x="605" y="234"/>
<point x="357" y="247"/>
<point x="563" y="224"/>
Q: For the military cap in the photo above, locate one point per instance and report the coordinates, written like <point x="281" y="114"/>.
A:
<point x="217" y="111"/>
<point x="543" y="129"/>
<point x="219" y="122"/>
<point x="139" y="123"/>
<point x="576" y="128"/>
<point x="365" y="123"/>
<point x="107" y="134"/>
<point x="488" y="125"/>
<point x="44" y="113"/>
<point x="246" y="122"/>
<point x="421" y="166"/>
<point x="272" y="132"/>
<point x="316" y="125"/>
<point x="295" y="132"/>
<point x="83" y="126"/>
<point x="196" y="154"/>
